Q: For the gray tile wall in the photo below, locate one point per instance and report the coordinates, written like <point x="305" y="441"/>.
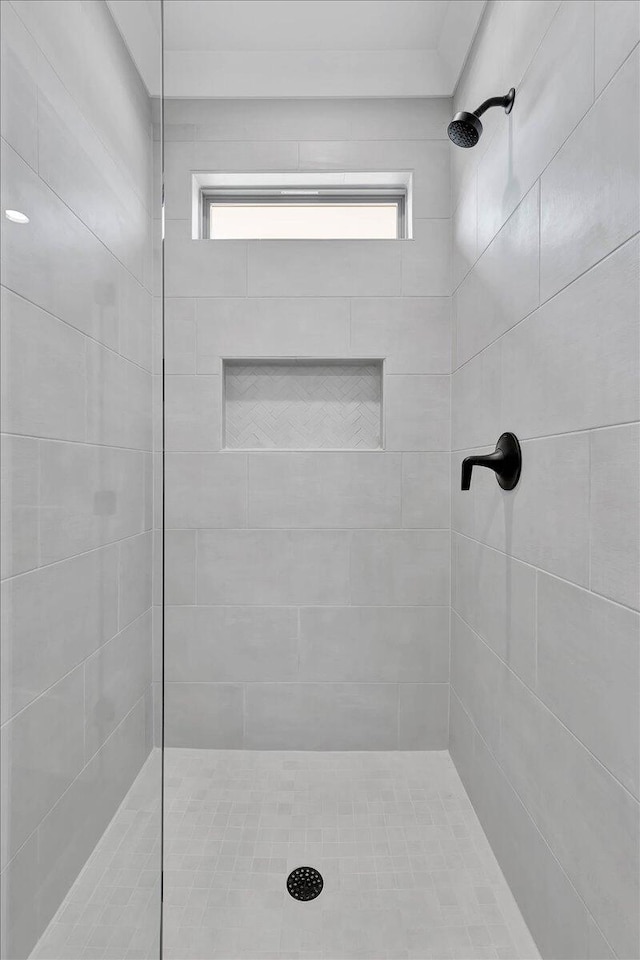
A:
<point x="544" y="713"/>
<point x="77" y="492"/>
<point x="308" y="591"/>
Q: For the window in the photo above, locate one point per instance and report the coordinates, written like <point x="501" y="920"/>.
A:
<point x="304" y="215"/>
<point x="302" y="206"/>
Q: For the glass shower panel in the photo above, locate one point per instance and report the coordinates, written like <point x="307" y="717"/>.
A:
<point x="81" y="692"/>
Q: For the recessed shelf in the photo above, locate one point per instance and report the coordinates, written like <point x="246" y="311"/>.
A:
<point x="299" y="404"/>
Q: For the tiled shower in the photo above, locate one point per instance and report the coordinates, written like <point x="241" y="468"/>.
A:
<point x="313" y="545"/>
<point x="250" y="621"/>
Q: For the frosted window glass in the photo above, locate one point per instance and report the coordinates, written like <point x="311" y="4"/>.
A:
<point x="302" y="221"/>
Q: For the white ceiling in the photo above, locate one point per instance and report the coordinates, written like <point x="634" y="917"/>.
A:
<point x="300" y="48"/>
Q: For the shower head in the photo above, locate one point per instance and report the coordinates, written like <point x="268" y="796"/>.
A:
<point x="466" y="129"/>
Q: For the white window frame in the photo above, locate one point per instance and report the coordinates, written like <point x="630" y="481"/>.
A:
<point x="348" y="188"/>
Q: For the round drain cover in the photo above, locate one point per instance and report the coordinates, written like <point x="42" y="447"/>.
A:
<point x="305" y="883"/>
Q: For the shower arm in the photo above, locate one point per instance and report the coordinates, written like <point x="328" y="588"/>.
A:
<point x="506" y="102"/>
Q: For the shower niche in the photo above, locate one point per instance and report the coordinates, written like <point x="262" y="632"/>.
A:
<point x="302" y="404"/>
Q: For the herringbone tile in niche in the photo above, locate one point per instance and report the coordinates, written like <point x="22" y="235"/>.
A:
<point x="303" y="406"/>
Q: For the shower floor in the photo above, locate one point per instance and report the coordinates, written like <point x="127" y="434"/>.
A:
<point x="408" y="871"/>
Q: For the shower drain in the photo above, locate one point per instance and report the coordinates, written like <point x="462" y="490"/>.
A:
<point x="305" y="883"/>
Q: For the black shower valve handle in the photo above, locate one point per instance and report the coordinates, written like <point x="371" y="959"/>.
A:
<point x="505" y="461"/>
<point x="495" y="462"/>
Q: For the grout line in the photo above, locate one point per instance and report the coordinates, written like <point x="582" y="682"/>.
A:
<point x="48" y="187"/>
<point x="87" y="337"/>
<point x="75" y="780"/>
<point x="547" y="573"/>
<point x="311" y="682"/>
<point x="610" y="253"/>
<point x="593" y="54"/>
<point x="539" y="177"/>
<point x="81" y="663"/>
<point x="75" y="556"/>
<point x="123" y="170"/>
<point x="590" y="515"/>
<point x="548" y="710"/>
<point x="143" y="451"/>
<point x="536" y="588"/>
<point x="527" y="812"/>
<point x="554" y="436"/>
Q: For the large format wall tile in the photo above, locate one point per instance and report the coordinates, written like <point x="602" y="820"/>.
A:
<point x="553" y="910"/>
<point x="617" y="33"/>
<point x="413" y="334"/>
<point x="426" y="489"/>
<point x="19" y="933"/>
<point x="570" y="795"/>
<point x="502" y="287"/>
<point x="70" y="831"/>
<point x="510" y="521"/>
<point x="336" y="490"/>
<point x="400" y="567"/>
<point x="18" y="89"/>
<point x="311" y="268"/>
<point x="43" y="373"/>
<point x="496" y="596"/>
<point x="574" y="363"/>
<point x="179" y="585"/>
<point x="273" y="567"/>
<point x="42" y="753"/>
<point x="426" y="260"/>
<point x="135" y="573"/>
<point x="477" y="679"/>
<point x="590" y="189"/>
<point x="322" y="119"/>
<point x="20" y="465"/>
<point x="89" y="495"/>
<point x="116" y="677"/>
<point x="73" y="162"/>
<point x="417" y="413"/>
<point x="203" y="268"/>
<point x="180" y="335"/>
<point x="588" y="664"/>
<point x="118" y="400"/>
<point x="205" y="490"/>
<point x="565" y="789"/>
<point x="219" y="644"/>
<point x="321" y="716"/>
<point x="464" y="227"/>
<point x="53" y="618"/>
<point x="409" y="644"/>
<point x="423" y="716"/>
<point x="60" y="266"/>
<point x="192" y="413"/>
<point x="615" y="514"/>
<point x="476" y="392"/>
<point x="269" y="327"/>
<point x="204" y="715"/>
<point x="528" y="140"/>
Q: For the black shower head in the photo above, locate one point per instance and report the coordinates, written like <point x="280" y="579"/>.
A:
<point x="465" y="129"/>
